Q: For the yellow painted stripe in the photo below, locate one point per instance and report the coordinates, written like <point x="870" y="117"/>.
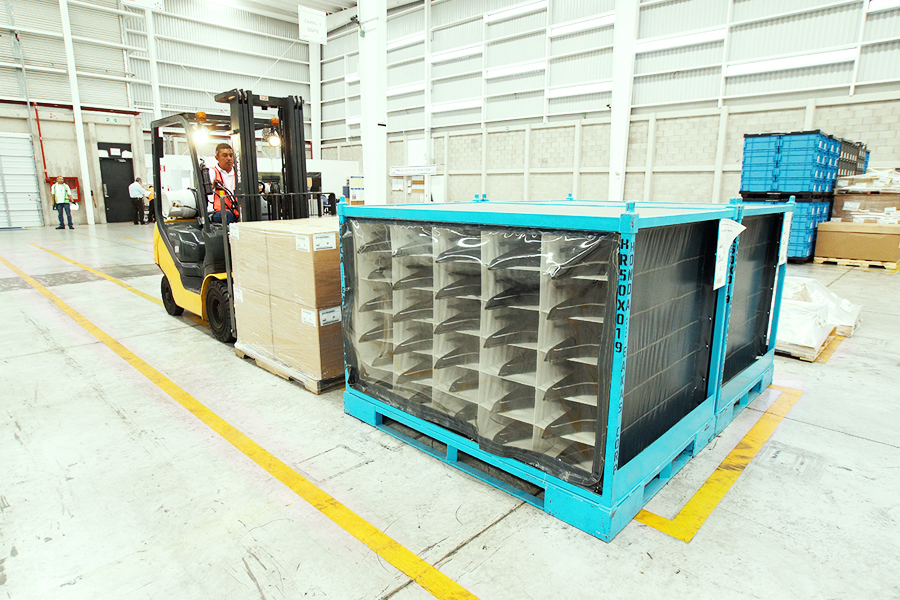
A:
<point x="118" y="282"/>
<point x="687" y="522"/>
<point x="431" y="579"/>
<point x="136" y="240"/>
<point x="829" y="349"/>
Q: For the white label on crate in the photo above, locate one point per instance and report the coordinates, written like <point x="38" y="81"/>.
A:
<point x="851" y="205"/>
<point x="785" y="236"/>
<point x="836" y="220"/>
<point x="329" y="316"/>
<point x="234" y="232"/>
<point x="308" y="317"/>
<point x="238" y="295"/>
<point x="728" y="232"/>
<point x="302" y="242"/>
<point x="324" y="241"/>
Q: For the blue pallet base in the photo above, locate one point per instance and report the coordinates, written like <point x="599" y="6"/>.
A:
<point x="743" y="389"/>
<point x="581" y="508"/>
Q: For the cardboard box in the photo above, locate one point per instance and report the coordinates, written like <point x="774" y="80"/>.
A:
<point x="859" y="241"/>
<point x="867" y="208"/>
<point x="253" y="317"/>
<point x="248" y="253"/>
<point x="308" y="339"/>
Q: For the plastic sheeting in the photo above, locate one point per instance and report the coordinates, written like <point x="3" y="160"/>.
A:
<point x="754" y="288"/>
<point x="802" y="327"/>
<point x="841" y="314"/>
<point x="498" y="334"/>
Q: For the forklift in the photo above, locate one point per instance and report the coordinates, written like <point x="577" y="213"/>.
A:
<point x="192" y="251"/>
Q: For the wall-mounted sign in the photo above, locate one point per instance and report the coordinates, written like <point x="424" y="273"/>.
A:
<point x="414" y="170"/>
<point x="312" y="25"/>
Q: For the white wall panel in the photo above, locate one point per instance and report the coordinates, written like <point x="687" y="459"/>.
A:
<point x="578" y="42"/>
<point x="515" y="83"/>
<point x="340" y="45"/>
<point x="456" y="117"/>
<point x="405" y="53"/>
<point x="806" y="32"/>
<point x="332" y="69"/>
<point x="679" y="58"/>
<point x="406" y="121"/>
<point x="405" y="24"/>
<point x="331" y="131"/>
<point x="880" y="62"/>
<point x="582" y="68"/>
<point x="883" y="25"/>
<point x="746" y="10"/>
<point x="455" y="10"/>
<point x="455" y="67"/>
<point x="352" y="63"/>
<point x="794" y="79"/>
<point x="35" y="14"/>
<point x="333" y="110"/>
<point x="458" y="88"/>
<point x="517" y="50"/>
<point x="580" y="104"/>
<point x="509" y="27"/>
<point x="333" y="90"/>
<point x="680" y="16"/>
<point x="515" y="106"/>
<point x="562" y="11"/>
<point x="464" y="34"/>
<point x="677" y="87"/>
<point x="406" y="73"/>
<point x="406" y="101"/>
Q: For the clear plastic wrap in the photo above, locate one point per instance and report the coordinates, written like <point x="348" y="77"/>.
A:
<point x="803" y="328"/>
<point x="841" y="314"/>
<point x="495" y="333"/>
<point x="287" y="294"/>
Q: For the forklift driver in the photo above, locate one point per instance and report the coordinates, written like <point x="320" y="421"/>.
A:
<point x="223" y="175"/>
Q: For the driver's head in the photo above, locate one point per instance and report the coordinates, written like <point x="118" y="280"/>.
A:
<point x="225" y="157"/>
<point x="60" y="179"/>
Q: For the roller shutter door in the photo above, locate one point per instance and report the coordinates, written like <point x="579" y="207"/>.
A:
<point x="20" y="198"/>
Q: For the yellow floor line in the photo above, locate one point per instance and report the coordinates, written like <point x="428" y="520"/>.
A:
<point x="687" y="522"/>
<point x="135" y="240"/>
<point x="118" y="282"/>
<point x="829" y="349"/>
<point x="431" y="579"/>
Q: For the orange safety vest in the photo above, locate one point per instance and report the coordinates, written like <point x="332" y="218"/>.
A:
<point x="219" y="195"/>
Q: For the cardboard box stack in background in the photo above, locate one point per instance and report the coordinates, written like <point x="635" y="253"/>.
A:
<point x="870" y="198"/>
<point x="859" y="241"/>
<point x="287" y="297"/>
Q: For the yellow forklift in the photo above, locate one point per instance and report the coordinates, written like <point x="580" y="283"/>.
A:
<point x="193" y="252"/>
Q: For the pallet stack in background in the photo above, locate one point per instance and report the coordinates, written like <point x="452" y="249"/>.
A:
<point x="804" y="165"/>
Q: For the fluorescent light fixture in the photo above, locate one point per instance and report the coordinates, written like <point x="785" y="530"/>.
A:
<point x="353" y="120"/>
<point x="457" y="53"/>
<point x="793" y="62"/>
<point x="351" y="78"/>
<point x="595" y="23"/>
<point x="515" y="70"/>
<point x="459" y="105"/>
<point x="406" y="41"/>
<point x="876" y="5"/>
<point x="580" y="90"/>
<point x="515" y="11"/>
<point x="690" y="39"/>
<point x="399" y="90"/>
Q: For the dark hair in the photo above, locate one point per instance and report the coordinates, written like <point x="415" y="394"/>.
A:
<point x="223" y="146"/>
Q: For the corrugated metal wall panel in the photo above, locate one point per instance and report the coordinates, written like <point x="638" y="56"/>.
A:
<point x="333" y="69"/>
<point x="170" y="26"/>
<point x="141" y="94"/>
<point x="9" y="83"/>
<point x="785" y="81"/>
<point x="333" y="131"/>
<point x="409" y="120"/>
<point x="404" y="25"/>
<point x="459" y="88"/>
<point x="333" y="110"/>
<point x="100" y="92"/>
<point x="882" y="25"/>
<point x="35" y="14"/>
<point x="517" y="25"/>
<point x="406" y="101"/>
<point x="43" y="51"/>
<point x="577" y="42"/>
<point x="227" y="16"/>
<point x="456" y="117"/>
<point x="353" y="89"/>
<point x="210" y="58"/>
<point x="517" y="50"/>
<point x="582" y="68"/>
<point x="333" y="90"/>
<point x="675" y="87"/>
<point x="340" y="45"/>
<point x="679" y="58"/>
<point x="90" y="23"/>
<point x="799" y="33"/>
<point x="515" y="83"/>
<point x="49" y="87"/>
<point x="745" y="10"/>
<point x="457" y="36"/>
<point x="354" y="107"/>
<point x="880" y="62"/>
<point x="99" y="59"/>
<point x="352" y="62"/>
<point x="414" y="51"/>
<point x="406" y="73"/>
<point x="456" y="10"/>
<point x="455" y="67"/>
<point x="680" y="16"/>
<point x="562" y="11"/>
<point x="579" y="104"/>
<point x="515" y="106"/>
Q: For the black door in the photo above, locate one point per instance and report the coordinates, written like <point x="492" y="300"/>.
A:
<point x="117" y="174"/>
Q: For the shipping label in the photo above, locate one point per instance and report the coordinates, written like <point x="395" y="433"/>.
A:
<point x="238" y="295"/>
<point x="308" y="317"/>
<point x="302" y="242"/>
<point x="328" y="316"/>
<point x="785" y="237"/>
<point x="324" y="241"/>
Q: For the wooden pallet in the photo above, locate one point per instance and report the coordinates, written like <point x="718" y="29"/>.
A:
<point x="862" y="264"/>
<point x="288" y="373"/>
<point x="868" y="191"/>
<point x="804" y="353"/>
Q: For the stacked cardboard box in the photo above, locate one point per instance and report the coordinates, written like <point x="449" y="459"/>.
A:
<point x="287" y="294"/>
<point x="859" y="241"/>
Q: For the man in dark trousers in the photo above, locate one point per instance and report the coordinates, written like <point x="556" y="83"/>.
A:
<point x="138" y="193"/>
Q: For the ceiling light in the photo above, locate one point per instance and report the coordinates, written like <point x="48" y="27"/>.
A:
<point x="201" y="135"/>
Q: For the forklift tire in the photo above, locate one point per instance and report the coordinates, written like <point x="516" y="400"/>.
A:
<point x="165" y="290"/>
<point x="218" y="311"/>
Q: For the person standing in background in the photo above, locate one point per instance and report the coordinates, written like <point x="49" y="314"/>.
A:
<point x="62" y="195"/>
<point x="138" y="193"/>
<point x="151" y="214"/>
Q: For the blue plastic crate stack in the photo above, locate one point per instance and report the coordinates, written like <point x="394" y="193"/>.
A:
<point x="807" y="216"/>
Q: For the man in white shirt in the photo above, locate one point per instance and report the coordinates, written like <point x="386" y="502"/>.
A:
<point x="61" y="195"/>
<point x="138" y="193"/>
<point x="223" y="174"/>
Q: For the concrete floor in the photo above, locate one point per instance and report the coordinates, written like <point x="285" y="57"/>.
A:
<point x="109" y="489"/>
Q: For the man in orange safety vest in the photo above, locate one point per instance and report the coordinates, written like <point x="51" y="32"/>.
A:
<point x="223" y="175"/>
